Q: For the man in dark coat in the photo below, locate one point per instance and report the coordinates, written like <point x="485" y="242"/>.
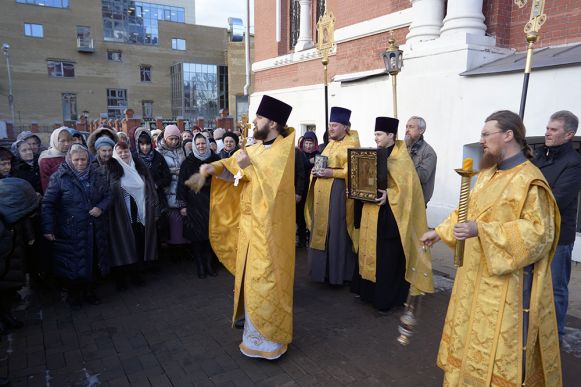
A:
<point x="561" y="166"/>
<point x="74" y="220"/>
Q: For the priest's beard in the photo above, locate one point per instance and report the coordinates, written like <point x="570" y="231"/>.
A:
<point x="261" y="133"/>
<point x="489" y="159"/>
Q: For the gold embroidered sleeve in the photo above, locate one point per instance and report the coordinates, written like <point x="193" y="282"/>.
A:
<point x="446" y="229"/>
<point x="510" y="246"/>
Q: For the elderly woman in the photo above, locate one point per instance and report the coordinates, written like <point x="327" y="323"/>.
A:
<point x="31" y="139"/>
<point x="132" y="217"/>
<point x="26" y="164"/>
<point x="104" y="148"/>
<point x="97" y="134"/>
<point x="171" y="149"/>
<point x="74" y="221"/>
<point x="230" y="140"/>
<point x="195" y="207"/>
<point x="50" y="160"/>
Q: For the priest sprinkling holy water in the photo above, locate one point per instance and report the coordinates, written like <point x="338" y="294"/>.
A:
<point x="252" y="229"/>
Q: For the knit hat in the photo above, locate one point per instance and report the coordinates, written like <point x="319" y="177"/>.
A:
<point x="102" y="141"/>
<point x="171" y="130"/>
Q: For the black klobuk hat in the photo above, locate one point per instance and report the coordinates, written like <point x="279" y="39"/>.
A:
<point x="274" y="110"/>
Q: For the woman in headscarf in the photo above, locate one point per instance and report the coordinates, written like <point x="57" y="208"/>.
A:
<point x="132" y="217"/>
<point x="26" y="164"/>
<point x="155" y="162"/>
<point x="230" y="140"/>
<point x="195" y="207"/>
<point x="171" y="149"/>
<point x="309" y="146"/>
<point x="33" y="140"/>
<point x="50" y="159"/>
<point x="74" y="220"/>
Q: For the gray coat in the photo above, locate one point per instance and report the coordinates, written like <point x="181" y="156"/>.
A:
<point x="425" y="160"/>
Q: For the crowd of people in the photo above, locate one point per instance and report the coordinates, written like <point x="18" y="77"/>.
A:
<point x="110" y="204"/>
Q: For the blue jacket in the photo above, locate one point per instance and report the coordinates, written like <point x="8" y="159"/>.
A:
<point x="80" y="238"/>
<point x="561" y="166"/>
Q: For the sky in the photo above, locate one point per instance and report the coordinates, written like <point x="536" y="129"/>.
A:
<point x="216" y="12"/>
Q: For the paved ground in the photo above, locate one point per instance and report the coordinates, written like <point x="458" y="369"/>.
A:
<point x="175" y="332"/>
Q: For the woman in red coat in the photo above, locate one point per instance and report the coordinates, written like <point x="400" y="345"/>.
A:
<point x="50" y="160"/>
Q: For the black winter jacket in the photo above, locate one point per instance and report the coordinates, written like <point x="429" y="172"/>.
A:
<point x="561" y="166"/>
<point x="81" y="239"/>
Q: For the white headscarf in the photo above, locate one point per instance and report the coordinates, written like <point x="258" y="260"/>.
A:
<point x="53" y="151"/>
<point x="132" y="182"/>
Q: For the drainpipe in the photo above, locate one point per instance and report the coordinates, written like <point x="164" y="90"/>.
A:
<point x="247" y="47"/>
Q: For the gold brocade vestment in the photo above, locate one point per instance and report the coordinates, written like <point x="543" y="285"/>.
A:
<point x="482" y="342"/>
<point x="319" y="196"/>
<point x="406" y="200"/>
<point x="252" y="231"/>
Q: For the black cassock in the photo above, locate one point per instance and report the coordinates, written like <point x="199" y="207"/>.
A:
<point x="390" y="288"/>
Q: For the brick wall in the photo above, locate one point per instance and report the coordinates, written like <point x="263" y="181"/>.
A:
<point x="351" y="12"/>
<point x="367" y="52"/>
<point x="506" y="21"/>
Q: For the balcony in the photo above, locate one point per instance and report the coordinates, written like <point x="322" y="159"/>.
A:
<point x="85" y="45"/>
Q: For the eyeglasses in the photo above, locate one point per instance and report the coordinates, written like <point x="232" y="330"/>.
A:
<point x="485" y="134"/>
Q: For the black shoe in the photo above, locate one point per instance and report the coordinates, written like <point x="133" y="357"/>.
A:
<point x="201" y="268"/>
<point x="4" y="382"/>
<point x="121" y="284"/>
<point x="91" y="298"/>
<point x="74" y="301"/>
<point x="137" y="280"/>
<point x="239" y="324"/>
<point x="10" y="322"/>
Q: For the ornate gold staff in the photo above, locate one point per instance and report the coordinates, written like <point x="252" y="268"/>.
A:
<point x="244" y="138"/>
<point x="325" y="43"/>
<point x="532" y="28"/>
<point x="466" y="172"/>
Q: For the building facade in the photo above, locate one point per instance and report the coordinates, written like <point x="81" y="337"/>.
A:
<point x="463" y="59"/>
<point x="73" y="57"/>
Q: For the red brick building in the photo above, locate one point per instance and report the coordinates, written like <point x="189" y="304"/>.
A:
<point x="463" y="59"/>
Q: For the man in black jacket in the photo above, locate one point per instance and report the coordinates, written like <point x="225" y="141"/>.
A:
<point x="561" y="165"/>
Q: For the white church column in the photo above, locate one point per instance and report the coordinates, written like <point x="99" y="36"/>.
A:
<point x="464" y="17"/>
<point x="427" y="18"/>
<point x="305" y="40"/>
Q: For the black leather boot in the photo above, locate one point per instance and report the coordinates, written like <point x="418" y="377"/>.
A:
<point x="201" y="267"/>
<point x="208" y="265"/>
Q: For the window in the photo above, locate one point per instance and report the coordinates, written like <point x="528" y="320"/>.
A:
<point x="69" y="106"/>
<point x="116" y="102"/>
<point x="47" y="3"/>
<point x="145" y="73"/>
<point x="147" y="109"/>
<point x="136" y="22"/>
<point x="178" y="44"/>
<point x="114" y="56"/>
<point x="60" y="69"/>
<point x="198" y="90"/>
<point x="33" y="30"/>
<point x="295" y="23"/>
<point x="84" y="39"/>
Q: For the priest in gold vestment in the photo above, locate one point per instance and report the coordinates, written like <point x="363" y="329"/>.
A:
<point x="328" y="212"/>
<point x="252" y="230"/>
<point x="390" y="254"/>
<point x="500" y="327"/>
